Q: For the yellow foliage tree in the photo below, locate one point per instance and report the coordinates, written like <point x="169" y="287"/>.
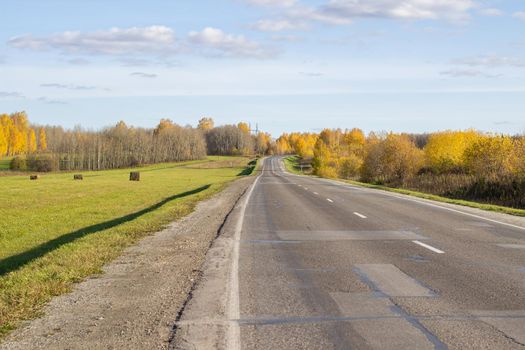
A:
<point x="31" y="142"/>
<point x="445" y="150"/>
<point x="206" y="124"/>
<point x="42" y="140"/>
<point x="4" y="136"/>
<point x="244" y="127"/>
<point x="393" y="159"/>
<point x="493" y="156"/>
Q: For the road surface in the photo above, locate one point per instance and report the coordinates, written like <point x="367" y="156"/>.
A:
<point x="317" y="264"/>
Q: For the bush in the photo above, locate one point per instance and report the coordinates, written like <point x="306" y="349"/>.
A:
<point x="18" y="163"/>
<point x="42" y="163"/>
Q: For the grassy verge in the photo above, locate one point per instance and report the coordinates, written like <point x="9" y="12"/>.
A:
<point x="4" y="163"/>
<point x="56" y="231"/>
<point x="483" y="206"/>
<point x="292" y="162"/>
<point x="293" y="165"/>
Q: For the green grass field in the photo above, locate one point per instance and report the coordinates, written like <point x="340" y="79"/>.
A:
<point x="56" y="231"/>
<point x="291" y="164"/>
<point x="4" y="163"/>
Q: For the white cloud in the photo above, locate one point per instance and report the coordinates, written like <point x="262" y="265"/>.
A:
<point x="115" y="41"/>
<point x="406" y="9"/>
<point x="51" y="101"/>
<point x="491" y="61"/>
<point x="10" y="94"/>
<point x="69" y="86"/>
<point x="277" y="25"/>
<point x="214" y="41"/>
<point x="343" y="12"/>
<point x="144" y="75"/>
<point x="139" y="43"/>
<point x="491" y="12"/>
<point x="467" y="73"/>
<point x="519" y="15"/>
<point x="282" y="3"/>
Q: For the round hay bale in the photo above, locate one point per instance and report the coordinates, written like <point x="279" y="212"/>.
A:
<point x="134" y="176"/>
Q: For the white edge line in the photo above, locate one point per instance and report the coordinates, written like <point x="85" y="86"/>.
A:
<point x="429" y="247"/>
<point x="360" y="215"/>
<point x="234" y="314"/>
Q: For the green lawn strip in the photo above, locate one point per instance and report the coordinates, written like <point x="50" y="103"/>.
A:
<point x="292" y="162"/>
<point x="56" y="231"/>
<point x="5" y="163"/>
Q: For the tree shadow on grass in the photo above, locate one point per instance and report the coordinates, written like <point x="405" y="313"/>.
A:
<point x="17" y="261"/>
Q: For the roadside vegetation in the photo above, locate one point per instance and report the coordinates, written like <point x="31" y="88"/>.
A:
<point x="56" y="231"/>
<point x="464" y="166"/>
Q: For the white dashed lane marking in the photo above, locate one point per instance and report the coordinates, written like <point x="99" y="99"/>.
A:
<point x="429" y="247"/>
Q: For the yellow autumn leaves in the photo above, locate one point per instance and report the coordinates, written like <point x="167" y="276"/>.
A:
<point x="17" y="136"/>
<point x="391" y="157"/>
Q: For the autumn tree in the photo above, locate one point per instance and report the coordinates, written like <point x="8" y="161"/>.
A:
<point x="391" y="159"/>
<point x="244" y="127"/>
<point x="282" y="145"/>
<point x="4" y="134"/>
<point x="206" y="124"/>
<point x="31" y="142"/>
<point x="42" y="140"/>
<point x="445" y="151"/>
<point x="493" y="156"/>
<point x="262" y="143"/>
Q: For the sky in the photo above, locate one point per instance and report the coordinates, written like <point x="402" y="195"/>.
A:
<point x="284" y="65"/>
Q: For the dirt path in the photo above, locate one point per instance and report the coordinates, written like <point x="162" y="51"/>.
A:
<point x="136" y="302"/>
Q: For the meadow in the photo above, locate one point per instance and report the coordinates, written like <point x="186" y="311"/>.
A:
<point x="56" y="231"/>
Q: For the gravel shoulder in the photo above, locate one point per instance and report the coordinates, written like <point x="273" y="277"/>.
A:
<point x="136" y="302"/>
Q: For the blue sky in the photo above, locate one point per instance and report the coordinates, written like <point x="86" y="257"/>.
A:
<point x="400" y="65"/>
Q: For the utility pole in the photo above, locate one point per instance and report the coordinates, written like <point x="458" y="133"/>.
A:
<point x="256" y="131"/>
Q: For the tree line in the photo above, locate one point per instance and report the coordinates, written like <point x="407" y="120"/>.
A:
<point x="465" y="164"/>
<point x="123" y="146"/>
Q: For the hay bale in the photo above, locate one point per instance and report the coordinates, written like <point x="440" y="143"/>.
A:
<point x="134" y="176"/>
<point x="78" y="177"/>
<point x="34" y="177"/>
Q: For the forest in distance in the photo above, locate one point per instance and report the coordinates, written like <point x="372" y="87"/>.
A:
<point x="463" y="164"/>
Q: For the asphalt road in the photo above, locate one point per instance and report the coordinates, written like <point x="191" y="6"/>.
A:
<point x="318" y="264"/>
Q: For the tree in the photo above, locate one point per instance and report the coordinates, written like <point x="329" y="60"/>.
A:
<point x="262" y="143"/>
<point x="244" y="127"/>
<point x="205" y="124"/>
<point x="42" y="140"/>
<point x="4" y="135"/>
<point x="391" y="159"/>
<point x="31" y="142"/>
<point x="445" y="151"/>
<point x="493" y="156"/>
